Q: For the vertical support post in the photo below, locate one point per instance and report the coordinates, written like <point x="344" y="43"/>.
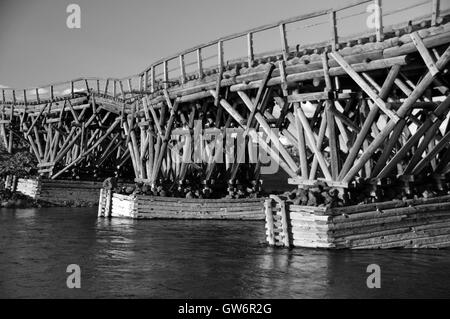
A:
<point x="334" y="35"/>
<point x="14" y="183"/>
<point x="8" y="182"/>
<point x="101" y="203"/>
<point x="284" y="42"/>
<point x="250" y="55"/>
<point x="379" y="20"/>
<point x="108" y="203"/>
<point x="301" y="143"/>
<point x="284" y="224"/>
<point x="334" y="160"/>
<point x="10" y="143"/>
<point x="269" y="221"/>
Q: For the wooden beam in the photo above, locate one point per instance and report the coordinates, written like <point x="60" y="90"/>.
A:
<point x="168" y="132"/>
<point x="313" y="144"/>
<point x="301" y="146"/>
<point x="369" y="120"/>
<point x="426" y="56"/>
<point x="322" y="129"/>
<point x="265" y="126"/>
<point x="237" y="117"/>
<point x="366" y="88"/>
<point x="261" y="89"/>
<point x="402" y="111"/>
<point x="444" y="142"/>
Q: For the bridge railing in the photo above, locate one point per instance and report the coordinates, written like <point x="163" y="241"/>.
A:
<point x="209" y="58"/>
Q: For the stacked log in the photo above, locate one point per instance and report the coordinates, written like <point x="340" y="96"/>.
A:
<point x="417" y="223"/>
<point x="29" y="187"/>
<point x="69" y="193"/>
<point x="410" y="224"/>
<point x="123" y="206"/>
<point x="150" y="207"/>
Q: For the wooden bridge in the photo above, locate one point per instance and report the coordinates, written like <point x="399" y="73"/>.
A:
<point x="350" y="109"/>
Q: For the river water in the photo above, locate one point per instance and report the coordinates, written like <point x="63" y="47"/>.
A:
<point x="193" y="259"/>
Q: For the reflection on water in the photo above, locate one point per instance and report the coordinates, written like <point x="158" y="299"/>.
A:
<point x="193" y="259"/>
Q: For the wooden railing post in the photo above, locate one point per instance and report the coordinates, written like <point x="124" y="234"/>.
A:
<point x="145" y="80"/>
<point x="379" y="20"/>
<point x="220" y="60"/>
<point x="152" y="80"/>
<point x="284" y="42"/>
<point x="182" y="69"/>
<point x="199" y="63"/>
<point x="334" y="36"/>
<point x="106" y="86"/>
<point x="37" y="96"/>
<point x="166" y="74"/>
<point x="250" y="55"/>
<point x="121" y="89"/>
<point x="435" y="12"/>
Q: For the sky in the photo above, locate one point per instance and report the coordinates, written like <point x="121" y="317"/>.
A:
<point x="121" y="38"/>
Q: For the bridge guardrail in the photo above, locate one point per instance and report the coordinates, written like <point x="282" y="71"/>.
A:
<point x="159" y="75"/>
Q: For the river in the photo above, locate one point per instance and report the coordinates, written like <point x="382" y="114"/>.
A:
<point x="193" y="259"/>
